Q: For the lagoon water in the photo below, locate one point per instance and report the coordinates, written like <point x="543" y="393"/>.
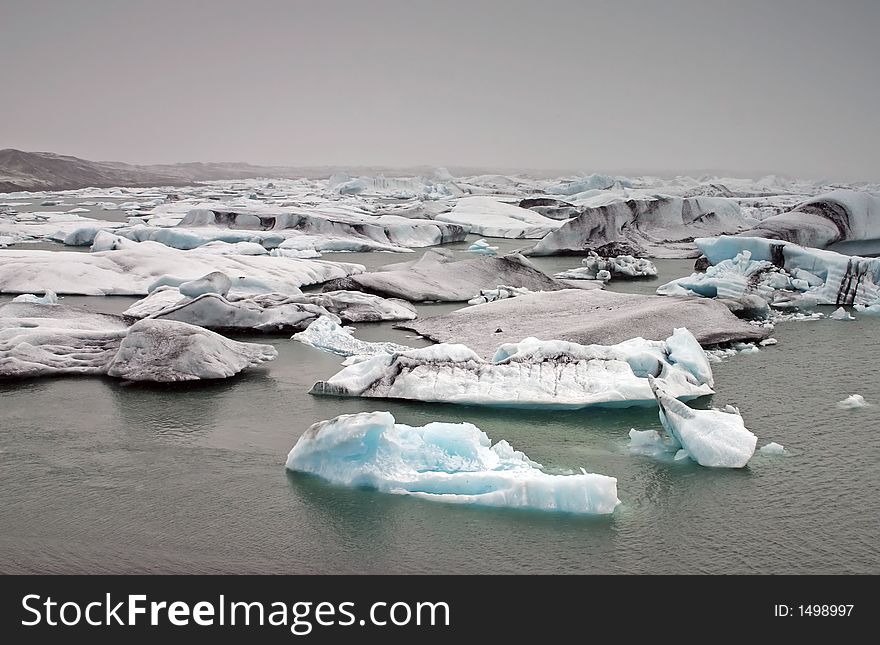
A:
<point x="100" y="476"/>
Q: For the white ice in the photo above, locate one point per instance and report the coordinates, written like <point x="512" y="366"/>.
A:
<point x="443" y="462"/>
<point x="711" y="437"/>
<point x="773" y="448"/>
<point x="492" y="218"/>
<point x="499" y="293"/>
<point x="326" y="334"/>
<point x="132" y="268"/>
<point x="482" y="247"/>
<point x="852" y="402"/>
<point x="807" y="276"/>
<point x="620" y="266"/>
<point x="531" y="374"/>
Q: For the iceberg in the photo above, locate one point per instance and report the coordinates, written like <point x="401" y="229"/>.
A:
<point x="132" y="269"/>
<point x="585" y="317"/>
<point x="852" y="402"/>
<point x="260" y="312"/>
<point x="656" y="226"/>
<point x="48" y="298"/>
<point x="530" y="374"/>
<point x="841" y="217"/>
<point x="326" y="334"/>
<point x="49" y="340"/>
<point x="357" y="306"/>
<point x="713" y="438"/>
<point x="215" y="282"/>
<point x="492" y="218"/>
<point x="619" y="266"/>
<point x="442" y="462"/>
<point x="782" y="273"/>
<point x="482" y="247"/>
<point x="437" y="276"/>
<point x="841" y="314"/>
<point x="774" y="449"/>
<point x="502" y="292"/>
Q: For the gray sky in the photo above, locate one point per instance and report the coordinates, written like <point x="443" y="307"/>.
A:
<point x="777" y="85"/>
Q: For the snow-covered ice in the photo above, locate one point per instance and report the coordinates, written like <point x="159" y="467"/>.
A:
<point x="443" y="462"/>
<point x="711" y="437"/>
<point x="840" y="314"/>
<point x="531" y="374"/>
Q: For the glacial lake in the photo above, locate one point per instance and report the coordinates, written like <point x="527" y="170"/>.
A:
<point x="101" y="476"/>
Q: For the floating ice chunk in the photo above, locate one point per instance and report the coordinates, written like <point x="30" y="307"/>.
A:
<point x="764" y="267"/>
<point x="444" y="462"/>
<point x="841" y="314"/>
<point x="50" y="340"/>
<point x="768" y="341"/>
<point x="681" y="454"/>
<point x="78" y="210"/>
<point x="326" y="334"/>
<point x="166" y="351"/>
<point x="605" y="269"/>
<point x="132" y="268"/>
<point x="651" y="225"/>
<point x="235" y="248"/>
<point x="746" y="348"/>
<point x="502" y="292"/>
<point x="487" y="216"/>
<point x="683" y="349"/>
<point x="648" y="443"/>
<point x="215" y="282"/>
<point x="711" y="437"/>
<point x="852" y="402"/>
<point x="872" y="310"/>
<point x="437" y="276"/>
<point x="48" y="298"/>
<point x="482" y="247"/>
<point x="357" y="306"/>
<point x="267" y="311"/>
<point x="773" y="448"/>
<point x="528" y="374"/>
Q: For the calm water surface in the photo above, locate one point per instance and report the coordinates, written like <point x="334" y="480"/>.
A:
<point x="100" y="476"/>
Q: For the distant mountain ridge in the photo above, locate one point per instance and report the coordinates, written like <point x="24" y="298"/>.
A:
<point x="20" y="170"/>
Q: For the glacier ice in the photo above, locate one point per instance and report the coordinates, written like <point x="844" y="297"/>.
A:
<point x="841" y="314"/>
<point x="530" y="374"/>
<point x="492" y="218"/>
<point x="482" y="247"/>
<point x="841" y="216"/>
<point x="773" y="448"/>
<point x="47" y="340"/>
<point x="647" y="227"/>
<point x="711" y="437"/>
<point x="499" y="293"/>
<point x="326" y="334"/>
<point x="584" y="316"/>
<point x="48" y="298"/>
<point x="266" y="311"/>
<point x="852" y="402"/>
<point x="437" y="276"/>
<point x="781" y="273"/>
<point x="167" y="351"/>
<point x="619" y="266"/>
<point x="215" y="282"/>
<point x="133" y="268"/>
<point x="442" y="462"/>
